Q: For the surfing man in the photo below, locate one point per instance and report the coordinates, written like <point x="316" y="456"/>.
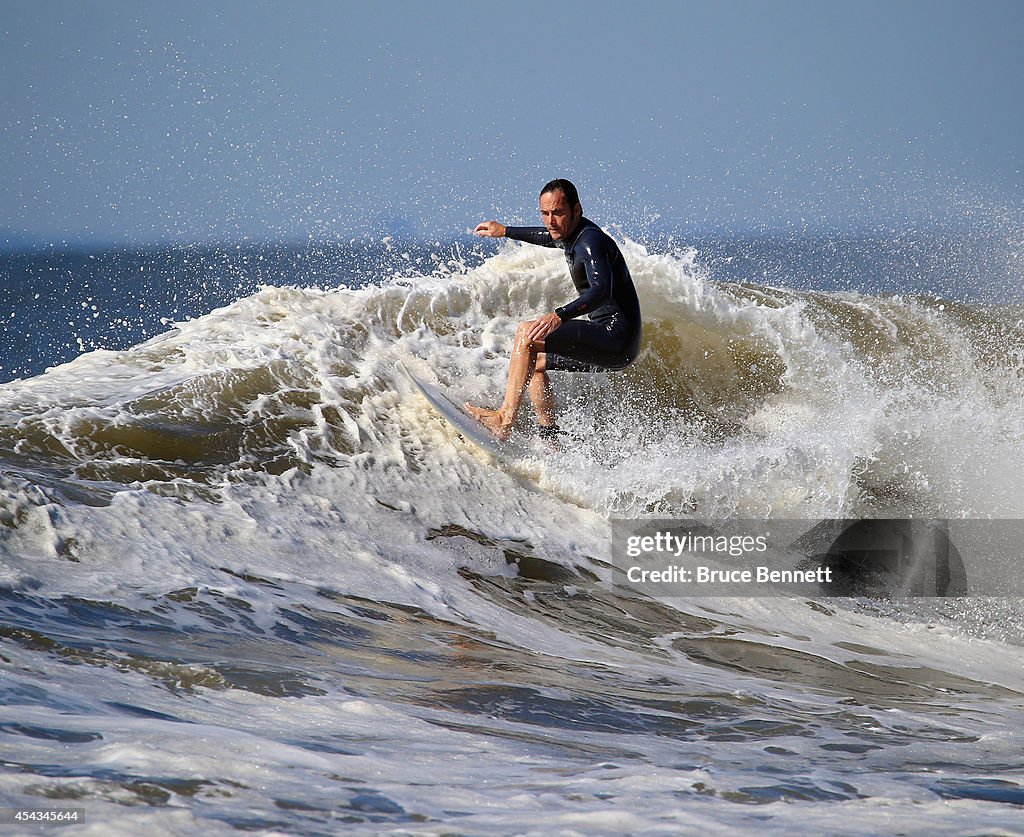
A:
<point x="609" y="339"/>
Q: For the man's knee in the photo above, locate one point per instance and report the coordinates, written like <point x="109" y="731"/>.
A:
<point x="523" y="334"/>
<point x="523" y="337"/>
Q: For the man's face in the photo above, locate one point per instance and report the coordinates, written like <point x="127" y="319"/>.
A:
<point x="560" y="218"/>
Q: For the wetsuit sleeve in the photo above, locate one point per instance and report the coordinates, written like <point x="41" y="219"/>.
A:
<point x="531" y="235"/>
<point x="593" y="253"/>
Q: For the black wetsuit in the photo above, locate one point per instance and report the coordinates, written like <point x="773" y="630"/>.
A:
<point x="611" y="340"/>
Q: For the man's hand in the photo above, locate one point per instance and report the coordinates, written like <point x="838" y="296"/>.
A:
<point x="490" y="229"/>
<point x="542" y="327"/>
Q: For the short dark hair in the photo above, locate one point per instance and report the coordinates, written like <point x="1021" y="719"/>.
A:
<point x="564" y="186"/>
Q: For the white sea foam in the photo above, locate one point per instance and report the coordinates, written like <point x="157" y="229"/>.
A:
<point x="267" y="463"/>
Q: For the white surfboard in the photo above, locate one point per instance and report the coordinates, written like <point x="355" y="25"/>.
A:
<point x="467" y="426"/>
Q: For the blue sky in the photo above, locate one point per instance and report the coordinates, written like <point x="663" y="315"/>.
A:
<point x="143" y="122"/>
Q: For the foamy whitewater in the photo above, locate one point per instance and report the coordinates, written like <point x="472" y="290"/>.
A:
<point x="251" y="582"/>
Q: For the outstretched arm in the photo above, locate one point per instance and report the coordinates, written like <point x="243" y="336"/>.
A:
<point x="490" y="229"/>
<point x="531" y="235"/>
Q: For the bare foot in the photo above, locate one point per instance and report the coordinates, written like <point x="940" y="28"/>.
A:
<point x="491" y="419"/>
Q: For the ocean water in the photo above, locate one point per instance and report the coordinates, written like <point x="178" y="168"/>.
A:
<point x="250" y="582"/>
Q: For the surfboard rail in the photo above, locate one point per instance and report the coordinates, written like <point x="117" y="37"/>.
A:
<point x="462" y="422"/>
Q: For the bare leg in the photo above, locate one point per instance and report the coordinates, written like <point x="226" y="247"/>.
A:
<point x="541" y="396"/>
<point x="521" y="369"/>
